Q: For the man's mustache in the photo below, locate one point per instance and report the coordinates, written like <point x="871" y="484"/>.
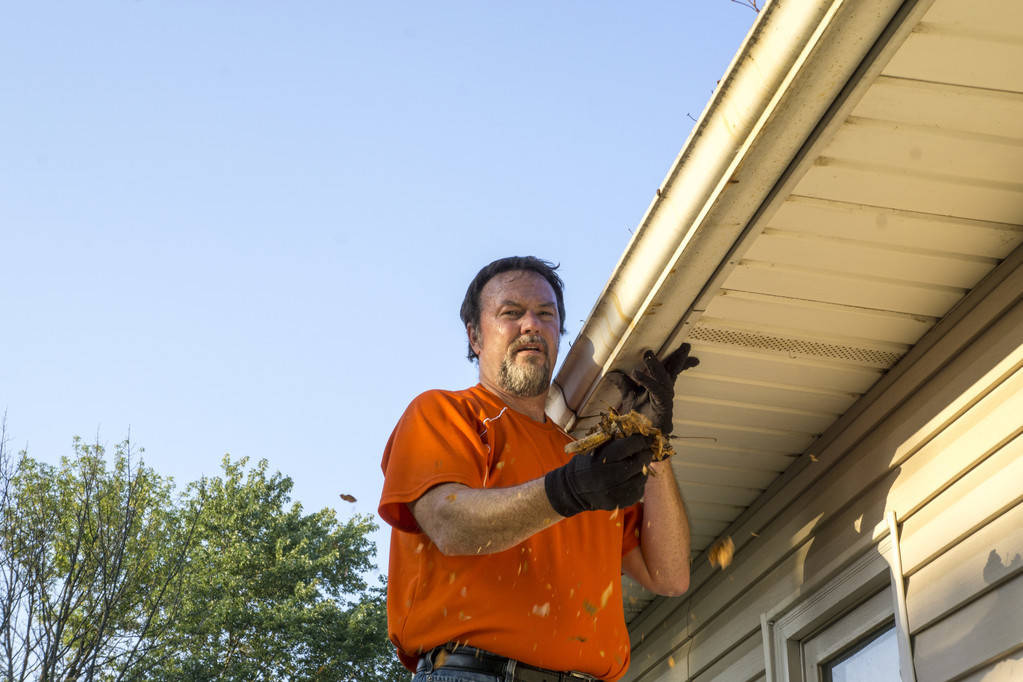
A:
<point x="526" y="341"/>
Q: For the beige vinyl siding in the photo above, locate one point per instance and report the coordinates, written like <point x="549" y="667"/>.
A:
<point x="938" y="442"/>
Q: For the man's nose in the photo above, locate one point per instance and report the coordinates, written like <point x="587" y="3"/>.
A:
<point x="530" y="322"/>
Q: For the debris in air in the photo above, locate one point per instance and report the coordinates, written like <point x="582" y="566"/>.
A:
<point x="346" y="497"/>
<point x="608" y="591"/>
<point x="721" y="552"/>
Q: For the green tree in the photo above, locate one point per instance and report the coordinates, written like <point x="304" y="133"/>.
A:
<point x="105" y="574"/>
<point x="90" y="560"/>
<point x="273" y="593"/>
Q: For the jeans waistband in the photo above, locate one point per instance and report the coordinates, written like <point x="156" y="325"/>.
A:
<point x="479" y="660"/>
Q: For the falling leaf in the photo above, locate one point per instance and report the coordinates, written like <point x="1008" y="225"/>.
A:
<point x="721" y="552"/>
<point x="813" y="458"/>
<point x="590" y="608"/>
<point x="754" y="534"/>
<point x="671" y="661"/>
<point x="441" y="659"/>
<point x="614" y="514"/>
<point x="578" y="638"/>
<point x="608" y="591"/>
<point x="500" y="465"/>
<point x="464" y="591"/>
<point x="451" y="577"/>
<point x="346" y="497"/>
<point x="451" y="497"/>
<point x="420" y="548"/>
<point x="542" y="609"/>
<point x="463" y="617"/>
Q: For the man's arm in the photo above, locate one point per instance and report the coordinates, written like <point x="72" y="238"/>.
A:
<point x="462" y="520"/>
<point x="661" y="562"/>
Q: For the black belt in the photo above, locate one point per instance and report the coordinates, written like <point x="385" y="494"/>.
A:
<point x="478" y="660"/>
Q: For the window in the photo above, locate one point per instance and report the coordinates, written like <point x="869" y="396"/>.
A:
<point x="858" y="647"/>
<point x="873" y="660"/>
<point x="844" y="631"/>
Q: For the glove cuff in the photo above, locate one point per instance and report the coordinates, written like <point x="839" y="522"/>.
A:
<point x="560" y="495"/>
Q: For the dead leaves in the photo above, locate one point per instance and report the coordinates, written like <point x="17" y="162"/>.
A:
<point x="347" y="498"/>
<point x="721" y="552"/>
<point x="614" y="425"/>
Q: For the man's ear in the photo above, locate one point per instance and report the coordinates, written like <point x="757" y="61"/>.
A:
<point x="474" y="338"/>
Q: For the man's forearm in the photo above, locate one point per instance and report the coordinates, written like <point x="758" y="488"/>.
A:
<point x="461" y="520"/>
<point x="664" y="537"/>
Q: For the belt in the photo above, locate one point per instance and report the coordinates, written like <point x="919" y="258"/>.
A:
<point x="478" y="660"/>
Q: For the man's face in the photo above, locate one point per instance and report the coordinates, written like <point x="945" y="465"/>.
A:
<point x="517" y="340"/>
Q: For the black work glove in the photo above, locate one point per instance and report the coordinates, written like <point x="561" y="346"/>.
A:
<point x="611" y="476"/>
<point x="655" y="379"/>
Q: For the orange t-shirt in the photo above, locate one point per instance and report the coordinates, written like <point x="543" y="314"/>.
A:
<point x="554" y="600"/>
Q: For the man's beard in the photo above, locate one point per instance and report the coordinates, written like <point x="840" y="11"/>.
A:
<point x="525" y="380"/>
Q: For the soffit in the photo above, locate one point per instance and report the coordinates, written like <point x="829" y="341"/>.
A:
<point x="912" y="197"/>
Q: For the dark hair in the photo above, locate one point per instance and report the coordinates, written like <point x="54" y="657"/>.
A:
<point x="471" y="309"/>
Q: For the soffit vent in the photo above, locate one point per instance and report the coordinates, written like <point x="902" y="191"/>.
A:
<point x="795" y="347"/>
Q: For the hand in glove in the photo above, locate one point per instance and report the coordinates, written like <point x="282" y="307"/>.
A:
<point x="656" y="379"/>
<point x="610" y="477"/>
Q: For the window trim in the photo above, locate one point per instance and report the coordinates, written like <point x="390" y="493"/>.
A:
<point x="850" y="633"/>
<point x="785" y="631"/>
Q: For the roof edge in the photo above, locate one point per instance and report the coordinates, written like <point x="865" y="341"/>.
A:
<point x="677" y="241"/>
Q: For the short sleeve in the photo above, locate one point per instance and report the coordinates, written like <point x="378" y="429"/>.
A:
<point x="437" y="440"/>
<point x="632" y="522"/>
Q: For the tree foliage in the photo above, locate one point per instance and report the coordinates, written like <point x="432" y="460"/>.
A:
<point x="90" y="564"/>
<point x="273" y="593"/>
<point x="106" y="574"/>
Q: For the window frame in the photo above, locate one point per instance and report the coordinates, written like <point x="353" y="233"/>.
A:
<point x="850" y="633"/>
<point x="786" y="631"/>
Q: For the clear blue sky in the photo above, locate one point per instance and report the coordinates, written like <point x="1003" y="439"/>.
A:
<point x="246" y="227"/>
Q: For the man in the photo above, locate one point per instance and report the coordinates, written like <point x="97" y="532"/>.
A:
<point x="506" y="553"/>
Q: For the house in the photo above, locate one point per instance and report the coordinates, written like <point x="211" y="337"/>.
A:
<point x="840" y="241"/>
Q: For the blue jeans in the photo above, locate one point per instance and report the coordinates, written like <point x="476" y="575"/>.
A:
<point x="452" y="675"/>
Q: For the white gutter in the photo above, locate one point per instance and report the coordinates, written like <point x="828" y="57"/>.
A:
<point x="796" y="59"/>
